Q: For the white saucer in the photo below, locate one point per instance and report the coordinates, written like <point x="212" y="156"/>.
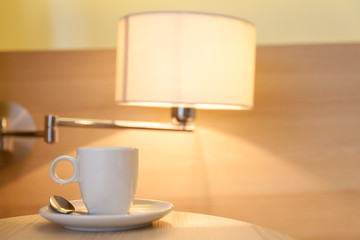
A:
<point x="142" y="213"/>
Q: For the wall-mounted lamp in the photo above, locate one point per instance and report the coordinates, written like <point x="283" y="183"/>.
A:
<point x="182" y="60"/>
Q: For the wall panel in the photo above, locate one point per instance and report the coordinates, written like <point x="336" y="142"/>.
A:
<point x="291" y="163"/>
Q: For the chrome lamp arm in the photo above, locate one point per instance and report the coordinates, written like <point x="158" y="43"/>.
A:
<point x="52" y="122"/>
<point x="17" y="129"/>
<point x="181" y="118"/>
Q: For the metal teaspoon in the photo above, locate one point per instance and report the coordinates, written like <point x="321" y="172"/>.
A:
<point x="61" y="205"/>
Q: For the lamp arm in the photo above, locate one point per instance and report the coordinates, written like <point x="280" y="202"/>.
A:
<point x="52" y="122"/>
<point x="17" y="129"/>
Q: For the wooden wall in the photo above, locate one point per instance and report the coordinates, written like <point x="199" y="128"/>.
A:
<point x="291" y="164"/>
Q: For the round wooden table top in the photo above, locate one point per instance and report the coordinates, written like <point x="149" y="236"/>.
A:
<point x="175" y="225"/>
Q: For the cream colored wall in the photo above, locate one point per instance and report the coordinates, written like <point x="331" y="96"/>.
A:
<point x="83" y="24"/>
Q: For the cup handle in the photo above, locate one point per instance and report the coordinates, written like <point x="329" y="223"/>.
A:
<point x="54" y="176"/>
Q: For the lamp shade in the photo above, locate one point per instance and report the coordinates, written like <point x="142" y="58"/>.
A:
<point x="185" y="59"/>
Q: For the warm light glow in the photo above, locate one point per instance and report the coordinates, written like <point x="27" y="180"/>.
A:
<point x="85" y="122"/>
<point x="184" y="105"/>
<point x="184" y="58"/>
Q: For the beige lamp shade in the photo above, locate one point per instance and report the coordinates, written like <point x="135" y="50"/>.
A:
<point x="185" y="59"/>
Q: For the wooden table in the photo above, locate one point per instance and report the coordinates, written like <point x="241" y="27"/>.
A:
<point x="176" y="225"/>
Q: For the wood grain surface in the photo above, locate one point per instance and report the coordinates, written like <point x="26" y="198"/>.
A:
<point x="176" y="225"/>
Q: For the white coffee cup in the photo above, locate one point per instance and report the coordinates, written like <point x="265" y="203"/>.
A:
<point x="107" y="177"/>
